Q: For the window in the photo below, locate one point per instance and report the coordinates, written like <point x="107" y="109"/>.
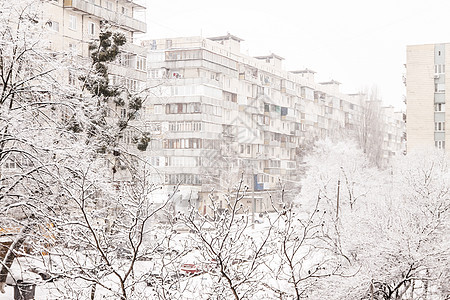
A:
<point x="123" y="113"/>
<point x="141" y="64"/>
<point x="158" y="109"/>
<point x="72" y="79"/>
<point x="439" y="144"/>
<point x="156" y="73"/>
<point x="73" y="48"/>
<point x="439" y="87"/>
<point x="131" y="85"/>
<point x="439" y="69"/>
<point x="124" y="10"/>
<point x="439" y="126"/>
<point x="72" y="22"/>
<point x="10" y="164"/>
<point x="91" y="28"/>
<point x="114" y="79"/>
<point x="126" y="59"/>
<point x="168" y="43"/>
<point x="109" y="5"/>
<point x="439" y="107"/>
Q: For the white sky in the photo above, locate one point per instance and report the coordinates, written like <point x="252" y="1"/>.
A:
<point x="356" y="42"/>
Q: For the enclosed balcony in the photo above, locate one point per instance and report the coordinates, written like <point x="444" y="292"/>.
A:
<point x="114" y="17"/>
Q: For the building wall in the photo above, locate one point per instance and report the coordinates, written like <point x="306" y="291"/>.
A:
<point x="255" y="117"/>
<point x="424" y="88"/>
<point x="446" y="113"/>
<point x="57" y="15"/>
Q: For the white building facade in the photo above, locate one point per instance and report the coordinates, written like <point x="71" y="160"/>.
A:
<point x="74" y="24"/>
<point x="217" y="115"/>
<point x="426" y="86"/>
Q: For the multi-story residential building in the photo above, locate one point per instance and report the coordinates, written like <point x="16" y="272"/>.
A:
<point x="217" y="113"/>
<point x="426" y="86"/>
<point x="394" y="131"/>
<point x="74" y="24"/>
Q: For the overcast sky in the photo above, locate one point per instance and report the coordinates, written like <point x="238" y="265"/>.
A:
<point x="356" y="42"/>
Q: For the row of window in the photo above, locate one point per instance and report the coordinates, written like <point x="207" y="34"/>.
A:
<point x="191" y="143"/>
<point x="183" y="179"/>
<point x="198" y="90"/>
<point x="182" y="143"/>
<point x="183" y="55"/>
<point x="131" y="60"/>
<point x="176" y="161"/>
<point x="190" y="108"/>
<point x="16" y="162"/>
<point x="199" y="54"/>
<point x="183" y="161"/>
<point x="183" y="108"/>
<point x="272" y="163"/>
<point x="185" y="126"/>
<point x="131" y="85"/>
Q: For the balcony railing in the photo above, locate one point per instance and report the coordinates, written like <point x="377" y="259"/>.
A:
<point x="106" y="14"/>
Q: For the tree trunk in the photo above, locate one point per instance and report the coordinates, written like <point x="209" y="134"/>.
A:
<point x="93" y="289"/>
<point x="10" y="255"/>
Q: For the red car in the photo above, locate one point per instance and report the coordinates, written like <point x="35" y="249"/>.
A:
<point x="191" y="269"/>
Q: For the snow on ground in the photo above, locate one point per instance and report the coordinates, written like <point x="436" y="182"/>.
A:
<point x="190" y="287"/>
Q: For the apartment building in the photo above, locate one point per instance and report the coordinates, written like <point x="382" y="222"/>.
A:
<point x="74" y="24"/>
<point x="426" y="88"/>
<point x="217" y="115"/>
<point x="394" y="131"/>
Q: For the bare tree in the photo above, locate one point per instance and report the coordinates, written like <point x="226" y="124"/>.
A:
<point x="394" y="233"/>
<point x="233" y="254"/>
<point x="370" y="126"/>
<point x="58" y="151"/>
<point x="304" y="252"/>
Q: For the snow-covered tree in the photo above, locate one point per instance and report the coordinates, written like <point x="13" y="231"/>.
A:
<point x="369" y="128"/>
<point x="232" y="252"/>
<point x="390" y="225"/>
<point x="304" y="253"/>
<point x="59" y="153"/>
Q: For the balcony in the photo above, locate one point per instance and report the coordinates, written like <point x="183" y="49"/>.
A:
<point x="121" y="20"/>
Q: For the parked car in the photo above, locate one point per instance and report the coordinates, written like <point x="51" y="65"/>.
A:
<point x="178" y="228"/>
<point x="191" y="269"/>
<point x="124" y="253"/>
<point x="46" y="276"/>
<point x="155" y="280"/>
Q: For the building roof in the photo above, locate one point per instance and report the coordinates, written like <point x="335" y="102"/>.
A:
<point x="303" y="71"/>
<point x="135" y="3"/>
<point x="226" y="37"/>
<point x="332" y="81"/>
<point x="270" y="56"/>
